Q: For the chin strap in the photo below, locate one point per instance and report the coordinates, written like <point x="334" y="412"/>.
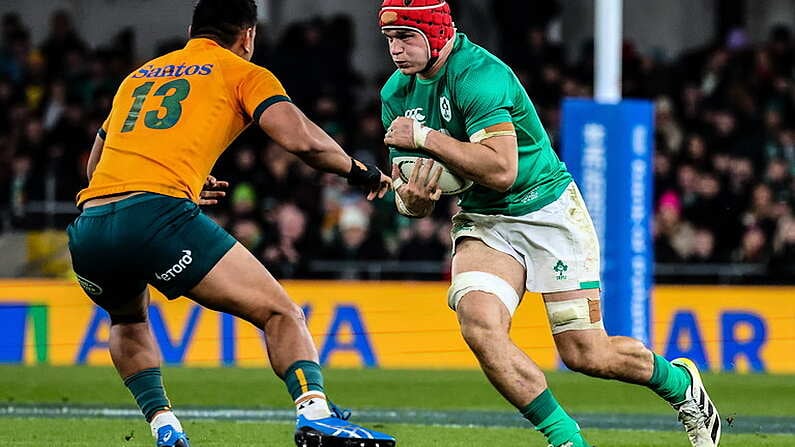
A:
<point x="432" y="61"/>
<point x="429" y="65"/>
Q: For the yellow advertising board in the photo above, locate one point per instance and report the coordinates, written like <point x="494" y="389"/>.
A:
<point x="727" y="328"/>
<point x="389" y="325"/>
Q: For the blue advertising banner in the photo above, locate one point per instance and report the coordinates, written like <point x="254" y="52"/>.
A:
<point x="608" y="150"/>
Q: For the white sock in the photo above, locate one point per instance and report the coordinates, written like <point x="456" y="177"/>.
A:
<point x="312" y="405"/>
<point x="163" y="419"/>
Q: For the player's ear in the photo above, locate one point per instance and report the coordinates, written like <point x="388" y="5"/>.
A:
<point x="248" y="40"/>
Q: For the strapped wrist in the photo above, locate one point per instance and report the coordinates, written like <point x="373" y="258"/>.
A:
<point x="421" y="133"/>
<point x="402" y="208"/>
<point x="363" y="174"/>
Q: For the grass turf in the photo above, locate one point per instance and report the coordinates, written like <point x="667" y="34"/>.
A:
<point x="757" y="395"/>
<point x="128" y="433"/>
<point x="753" y="395"/>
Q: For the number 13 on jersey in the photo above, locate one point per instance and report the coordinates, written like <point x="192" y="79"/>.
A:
<point x="173" y="93"/>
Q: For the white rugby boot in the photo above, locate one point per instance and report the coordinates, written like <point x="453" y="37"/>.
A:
<point x="697" y="412"/>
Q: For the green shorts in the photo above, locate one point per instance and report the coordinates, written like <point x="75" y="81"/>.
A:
<point x="149" y="238"/>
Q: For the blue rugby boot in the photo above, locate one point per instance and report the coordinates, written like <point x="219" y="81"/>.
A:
<point x="168" y="436"/>
<point x="335" y="432"/>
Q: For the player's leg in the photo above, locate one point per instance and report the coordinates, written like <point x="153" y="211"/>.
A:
<point x="485" y="295"/>
<point x="239" y="285"/>
<point x="567" y="274"/>
<point x="99" y="253"/>
<point x="137" y="359"/>
<point x="191" y="255"/>
<point x="585" y="347"/>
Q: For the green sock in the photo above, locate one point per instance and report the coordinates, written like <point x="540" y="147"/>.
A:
<point x="147" y="388"/>
<point x="548" y="417"/>
<point x="669" y="381"/>
<point x="303" y="376"/>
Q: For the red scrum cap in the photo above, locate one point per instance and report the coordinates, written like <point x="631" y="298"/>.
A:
<point x="430" y="18"/>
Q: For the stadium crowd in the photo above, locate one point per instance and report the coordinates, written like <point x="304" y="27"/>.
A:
<point x="723" y="165"/>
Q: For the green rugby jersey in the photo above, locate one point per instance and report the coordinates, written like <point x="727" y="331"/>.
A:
<point x="475" y="90"/>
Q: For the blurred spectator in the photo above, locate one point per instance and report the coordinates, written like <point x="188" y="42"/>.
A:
<point x="423" y="243"/>
<point x="663" y="174"/>
<point x="368" y="142"/>
<point x="695" y="153"/>
<point x="63" y="42"/>
<point x="723" y="132"/>
<point x="18" y="189"/>
<point x="11" y="25"/>
<point x="724" y="165"/>
<point x="787" y="145"/>
<point x="667" y="127"/>
<point x="782" y="264"/>
<point x="248" y="233"/>
<point x="355" y="241"/>
<point x="522" y="25"/>
<point x="712" y="212"/>
<point x="687" y="184"/>
<point x="280" y="177"/>
<point x="15" y="53"/>
<point x="244" y="201"/>
<point x="55" y="105"/>
<point x="760" y="213"/>
<point x="739" y="180"/>
<point x="286" y="256"/>
<point x="673" y="237"/>
<point x="779" y="179"/>
<point x="781" y="50"/>
<point x="753" y="247"/>
<point x="703" y="250"/>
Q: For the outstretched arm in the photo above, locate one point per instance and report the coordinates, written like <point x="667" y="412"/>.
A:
<point x="291" y="129"/>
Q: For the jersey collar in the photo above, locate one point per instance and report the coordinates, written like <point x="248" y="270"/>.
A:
<point x="202" y="42"/>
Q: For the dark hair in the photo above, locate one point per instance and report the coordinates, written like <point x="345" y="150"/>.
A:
<point x="223" y="19"/>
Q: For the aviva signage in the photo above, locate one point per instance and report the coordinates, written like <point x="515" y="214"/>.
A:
<point x="24" y="329"/>
<point x="390" y="325"/>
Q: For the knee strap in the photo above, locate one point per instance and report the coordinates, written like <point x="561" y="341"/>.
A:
<point x="466" y="282"/>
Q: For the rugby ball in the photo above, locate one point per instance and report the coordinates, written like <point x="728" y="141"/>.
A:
<point x="449" y="182"/>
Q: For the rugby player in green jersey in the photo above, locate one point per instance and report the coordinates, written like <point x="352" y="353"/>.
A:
<point x="523" y="225"/>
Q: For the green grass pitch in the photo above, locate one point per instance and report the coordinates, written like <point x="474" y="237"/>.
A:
<point x="759" y="398"/>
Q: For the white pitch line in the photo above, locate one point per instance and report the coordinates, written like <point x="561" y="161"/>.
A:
<point x="448" y="419"/>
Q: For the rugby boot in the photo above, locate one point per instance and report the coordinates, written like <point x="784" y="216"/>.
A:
<point x="697" y="412"/>
<point x="335" y="432"/>
<point x="168" y="436"/>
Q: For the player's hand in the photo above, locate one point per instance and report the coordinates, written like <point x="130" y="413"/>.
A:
<point x="383" y="187"/>
<point x="422" y="191"/>
<point x="401" y="133"/>
<point x="212" y="191"/>
<point x="369" y="178"/>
